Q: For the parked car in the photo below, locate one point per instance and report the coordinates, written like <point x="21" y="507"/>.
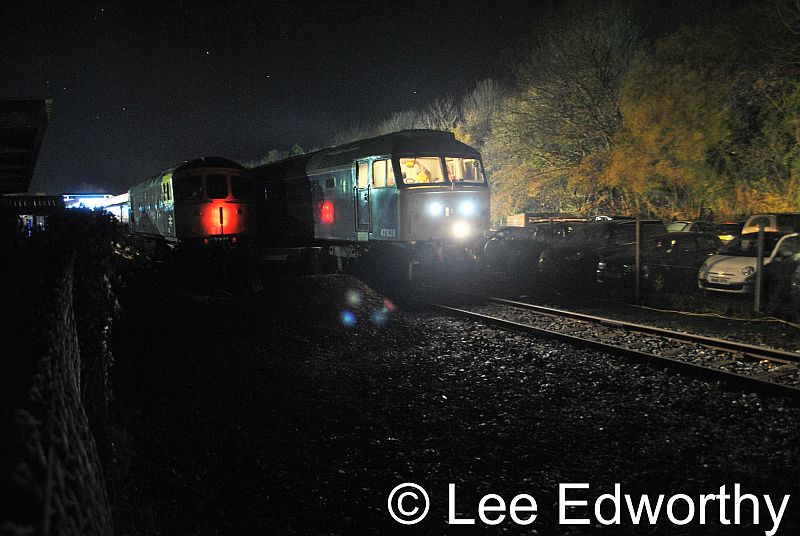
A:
<point x="782" y="289"/>
<point x="781" y="222"/>
<point x="690" y="227"/>
<point x="733" y="268"/>
<point x="575" y="259"/>
<point x="728" y="231"/>
<point x="666" y="261"/>
<point x="513" y="248"/>
<point x="505" y="245"/>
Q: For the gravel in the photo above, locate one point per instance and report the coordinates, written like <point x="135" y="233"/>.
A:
<point x="268" y="414"/>
<point x="649" y="343"/>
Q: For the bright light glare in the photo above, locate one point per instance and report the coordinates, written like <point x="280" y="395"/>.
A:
<point x="435" y="209"/>
<point x="467" y="208"/>
<point x="461" y="229"/>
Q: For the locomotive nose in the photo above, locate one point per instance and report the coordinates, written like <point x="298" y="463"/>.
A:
<point x="461" y="229"/>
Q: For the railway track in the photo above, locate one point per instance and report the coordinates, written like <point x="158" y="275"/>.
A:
<point x="768" y="371"/>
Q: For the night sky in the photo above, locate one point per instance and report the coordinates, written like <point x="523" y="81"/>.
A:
<point x="139" y="88"/>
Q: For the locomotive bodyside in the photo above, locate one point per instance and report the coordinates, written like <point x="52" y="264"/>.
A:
<point x="201" y="200"/>
<point x="408" y="188"/>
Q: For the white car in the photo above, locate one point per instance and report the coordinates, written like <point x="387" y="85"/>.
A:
<point x="733" y="268"/>
<point x="779" y="222"/>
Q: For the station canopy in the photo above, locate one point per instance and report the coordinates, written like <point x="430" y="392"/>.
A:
<point x="22" y="127"/>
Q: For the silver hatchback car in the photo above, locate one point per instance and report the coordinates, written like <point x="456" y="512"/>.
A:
<point x="733" y="268"/>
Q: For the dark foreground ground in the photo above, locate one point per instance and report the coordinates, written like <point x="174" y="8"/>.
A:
<point x="269" y="415"/>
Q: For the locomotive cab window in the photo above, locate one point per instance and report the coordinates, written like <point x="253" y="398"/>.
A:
<point x="187" y="188"/>
<point x="243" y="187"/>
<point x="382" y="174"/>
<point x="216" y="186"/>
<point x="362" y="174"/>
<point x="422" y="170"/>
<point x="464" y="170"/>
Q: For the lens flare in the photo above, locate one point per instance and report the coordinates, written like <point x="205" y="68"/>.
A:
<point x="348" y="319"/>
<point x="380" y="317"/>
<point x="353" y="298"/>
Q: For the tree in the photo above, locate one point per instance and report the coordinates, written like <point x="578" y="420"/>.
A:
<point x="559" y="122"/>
<point x="478" y="108"/>
<point x="441" y="114"/>
<point x="710" y="121"/>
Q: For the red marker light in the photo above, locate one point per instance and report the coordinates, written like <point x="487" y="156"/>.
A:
<point x="326" y="212"/>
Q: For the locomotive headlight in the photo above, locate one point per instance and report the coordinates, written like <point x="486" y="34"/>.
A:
<point x="466" y="208"/>
<point x="435" y="209"/>
<point x="461" y="229"/>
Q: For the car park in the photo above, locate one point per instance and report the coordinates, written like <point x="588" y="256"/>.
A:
<point x="517" y="248"/>
<point x="733" y="268"/>
<point x="574" y="261"/>
<point x="666" y="261"/>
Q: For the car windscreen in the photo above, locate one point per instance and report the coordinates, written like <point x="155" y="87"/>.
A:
<point x="746" y="245"/>
<point x="625" y="233"/>
<point x="729" y="228"/>
<point x="677" y="226"/>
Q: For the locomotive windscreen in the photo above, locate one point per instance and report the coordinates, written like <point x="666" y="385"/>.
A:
<point x="429" y="170"/>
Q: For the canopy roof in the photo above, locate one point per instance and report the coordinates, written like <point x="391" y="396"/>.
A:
<point x="22" y="126"/>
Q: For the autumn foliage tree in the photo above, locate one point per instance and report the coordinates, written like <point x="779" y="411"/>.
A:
<point x="709" y="122"/>
<point x="554" y="131"/>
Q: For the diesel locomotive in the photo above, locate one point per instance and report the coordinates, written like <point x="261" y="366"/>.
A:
<point x="420" y="194"/>
<point x="205" y="200"/>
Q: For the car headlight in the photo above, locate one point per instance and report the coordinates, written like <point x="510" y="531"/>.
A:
<point x="435" y="209"/>
<point x="466" y="208"/>
<point x="747" y="271"/>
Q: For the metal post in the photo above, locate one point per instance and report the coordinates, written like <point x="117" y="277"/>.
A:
<point x="759" y="268"/>
<point x="637" y="255"/>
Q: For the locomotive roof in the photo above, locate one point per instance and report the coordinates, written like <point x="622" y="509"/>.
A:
<point x="404" y="142"/>
<point x="203" y="161"/>
<point x="208" y="161"/>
